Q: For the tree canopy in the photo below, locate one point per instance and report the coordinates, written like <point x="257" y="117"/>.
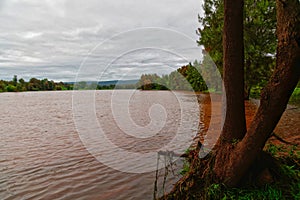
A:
<point x="188" y="77"/>
<point x="33" y="84"/>
<point x="259" y="38"/>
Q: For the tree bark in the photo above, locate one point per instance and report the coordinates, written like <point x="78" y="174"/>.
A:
<point x="238" y="159"/>
<point x="234" y="127"/>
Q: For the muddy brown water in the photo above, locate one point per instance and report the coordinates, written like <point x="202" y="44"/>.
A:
<point x="42" y="155"/>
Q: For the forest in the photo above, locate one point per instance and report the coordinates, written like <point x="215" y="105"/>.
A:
<point x="184" y="78"/>
<point x="190" y="78"/>
<point x="34" y="84"/>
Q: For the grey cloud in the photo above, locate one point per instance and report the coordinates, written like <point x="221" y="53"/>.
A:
<point x="55" y="38"/>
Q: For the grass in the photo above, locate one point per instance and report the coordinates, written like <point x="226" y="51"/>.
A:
<point x="286" y="186"/>
<point x="186" y="164"/>
<point x="279" y="190"/>
<point x="274" y="150"/>
<point x="185" y="169"/>
<point x="216" y="191"/>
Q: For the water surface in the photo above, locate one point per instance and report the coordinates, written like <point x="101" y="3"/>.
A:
<point x="42" y="156"/>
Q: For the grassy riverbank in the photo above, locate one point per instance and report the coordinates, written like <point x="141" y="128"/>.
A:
<point x="281" y="180"/>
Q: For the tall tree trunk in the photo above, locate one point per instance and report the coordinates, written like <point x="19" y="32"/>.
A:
<point x="233" y="71"/>
<point x="274" y="97"/>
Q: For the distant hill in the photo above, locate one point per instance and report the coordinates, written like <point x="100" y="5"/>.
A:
<point x="119" y="82"/>
<point x="112" y="82"/>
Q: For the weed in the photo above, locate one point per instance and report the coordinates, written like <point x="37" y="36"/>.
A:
<point x="274" y="149"/>
<point x="235" y="141"/>
<point x="185" y="169"/>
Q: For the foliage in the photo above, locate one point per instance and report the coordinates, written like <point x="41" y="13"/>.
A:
<point x="186" y="163"/>
<point x="185" y="169"/>
<point x="10" y="88"/>
<point x="295" y="98"/>
<point x="33" y="84"/>
<point x="152" y="82"/>
<point x="105" y="87"/>
<point x="189" y="77"/>
<point x="118" y="86"/>
<point x="259" y="38"/>
<point x="216" y="191"/>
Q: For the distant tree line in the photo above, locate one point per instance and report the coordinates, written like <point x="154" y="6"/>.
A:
<point x="198" y="77"/>
<point x="83" y="85"/>
<point x="34" y="84"/>
<point x="188" y="77"/>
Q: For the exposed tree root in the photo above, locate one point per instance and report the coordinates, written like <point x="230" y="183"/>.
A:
<point x="200" y="178"/>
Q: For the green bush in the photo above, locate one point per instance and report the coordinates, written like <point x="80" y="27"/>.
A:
<point x="11" y="88"/>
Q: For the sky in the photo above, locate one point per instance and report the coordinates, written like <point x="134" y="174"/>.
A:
<point x="74" y="40"/>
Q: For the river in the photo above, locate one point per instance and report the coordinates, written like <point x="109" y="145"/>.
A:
<point x="94" y="144"/>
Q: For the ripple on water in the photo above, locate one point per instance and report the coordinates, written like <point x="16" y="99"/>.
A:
<point x="42" y="156"/>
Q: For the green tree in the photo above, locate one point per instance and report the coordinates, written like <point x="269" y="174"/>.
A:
<point x="34" y="85"/>
<point x="259" y="38"/>
<point x="177" y="81"/>
<point x="2" y="86"/>
<point x="11" y="88"/>
<point x="150" y="82"/>
<point x="192" y="74"/>
<point x="210" y="73"/>
<point x="21" y="81"/>
<point x="51" y="85"/>
<point x="233" y="164"/>
<point x="187" y="77"/>
<point x="15" y="80"/>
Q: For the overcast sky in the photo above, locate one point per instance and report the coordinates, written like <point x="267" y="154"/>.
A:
<point x="65" y="40"/>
